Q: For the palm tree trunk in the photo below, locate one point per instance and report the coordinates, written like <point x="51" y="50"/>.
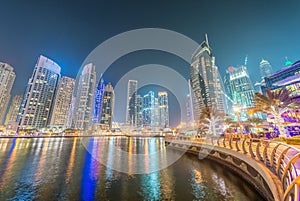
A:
<point x="280" y="126"/>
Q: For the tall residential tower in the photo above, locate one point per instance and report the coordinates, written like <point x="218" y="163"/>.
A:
<point x="98" y="100"/>
<point x="131" y="113"/>
<point x="13" y="109"/>
<point x="62" y="102"/>
<point x="265" y="68"/>
<point x="205" y="81"/>
<point x="7" y="78"/>
<point x="139" y="111"/>
<point x="107" y="107"/>
<point x="163" y="108"/>
<point x="84" y="98"/>
<point x="148" y="109"/>
<point x="39" y="95"/>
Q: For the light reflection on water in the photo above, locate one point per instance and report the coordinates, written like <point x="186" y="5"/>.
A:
<point x="62" y="169"/>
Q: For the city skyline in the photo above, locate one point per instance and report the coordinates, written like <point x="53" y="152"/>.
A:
<point x="150" y="100"/>
<point x="213" y="60"/>
<point x="234" y="31"/>
<point x="230" y="49"/>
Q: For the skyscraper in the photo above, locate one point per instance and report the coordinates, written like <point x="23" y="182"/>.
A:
<point x="189" y="111"/>
<point x="265" y="68"/>
<point x="131" y="102"/>
<point x="13" y="109"/>
<point x="163" y="108"/>
<point x="148" y="109"/>
<point x="156" y="118"/>
<point x="84" y="98"/>
<point x="205" y="81"/>
<point x="139" y="111"/>
<point x="39" y="95"/>
<point x="7" y="78"/>
<point x="240" y="86"/>
<point x="192" y="104"/>
<point x="62" y="102"/>
<point x="107" y="107"/>
<point x="98" y="99"/>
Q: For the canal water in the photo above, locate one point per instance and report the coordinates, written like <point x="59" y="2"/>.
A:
<point x="87" y="169"/>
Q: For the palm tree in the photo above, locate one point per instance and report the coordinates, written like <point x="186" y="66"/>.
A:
<point x="209" y="119"/>
<point x="274" y="103"/>
<point x="255" y="121"/>
<point x="229" y="122"/>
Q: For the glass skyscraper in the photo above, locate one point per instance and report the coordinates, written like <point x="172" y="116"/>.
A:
<point x="148" y="109"/>
<point x="39" y="95"/>
<point x="265" y="68"/>
<point x="7" y="78"/>
<point x="98" y="99"/>
<point x="13" y="109"/>
<point x="163" y="108"/>
<point x="139" y="111"/>
<point x="62" y="102"/>
<point x="155" y="110"/>
<point x="205" y="81"/>
<point x="107" y="107"/>
<point x="131" y="113"/>
<point x="83" y="98"/>
<point x="240" y="87"/>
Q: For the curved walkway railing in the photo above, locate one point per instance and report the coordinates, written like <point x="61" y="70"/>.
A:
<point x="282" y="159"/>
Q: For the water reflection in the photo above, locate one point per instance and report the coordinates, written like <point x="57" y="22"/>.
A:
<point x="63" y="169"/>
<point x="71" y="161"/>
<point x="9" y="162"/>
<point x="88" y="181"/>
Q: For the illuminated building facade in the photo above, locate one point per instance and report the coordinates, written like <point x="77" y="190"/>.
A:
<point x="163" y="109"/>
<point x="289" y="78"/>
<point x="7" y="78"/>
<point x="148" y="109"/>
<point x="62" y="102"/>
<point x="13" y="109"/>
<point x="131" y="111"/>
<point x="107" y="107"/>
<point x="139" y="111"/>
<point x="98" y="100"/>
<point x="84" y="98"/>
<point x="205" y="81"/>
<point x="240" y="87"/>
<point x="286" y="77"/>
<point x="39" y="95"/>
<point x="155" y="110"/>
<point x="156" y="117"/>
<point x="265" y="68"/>
<point x="189" y="111"/>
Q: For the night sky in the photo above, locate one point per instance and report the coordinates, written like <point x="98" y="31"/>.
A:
<point x="67" y="31"/>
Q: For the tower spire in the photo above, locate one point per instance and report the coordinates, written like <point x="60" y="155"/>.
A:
<point x="246" y="60"/>
<point x="206" y="39"/>
<point x="287" y="62"/>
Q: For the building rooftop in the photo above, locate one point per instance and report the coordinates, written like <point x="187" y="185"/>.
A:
<point x="289" y="80"/>
<point x="296" y="64"/>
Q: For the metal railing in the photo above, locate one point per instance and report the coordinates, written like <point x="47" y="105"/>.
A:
<point x="282" y="159"/>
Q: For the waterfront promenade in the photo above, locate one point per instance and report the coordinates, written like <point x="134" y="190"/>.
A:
<point x="271" y="166"/>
